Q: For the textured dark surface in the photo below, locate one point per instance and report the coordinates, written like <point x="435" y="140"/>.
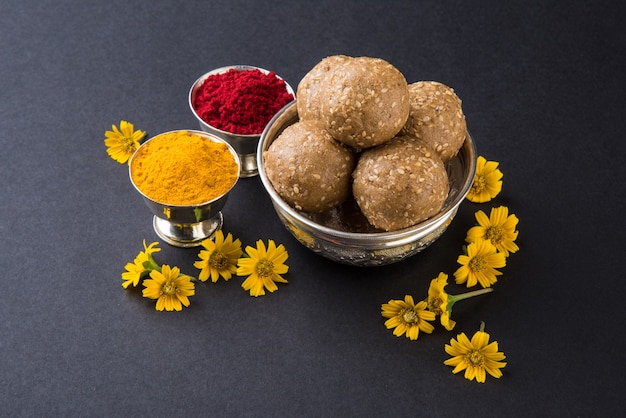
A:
<point x="542" y="85"/>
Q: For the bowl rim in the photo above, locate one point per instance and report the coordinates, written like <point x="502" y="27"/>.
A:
<point x="203" y="134"/>
<point x="468" y="146"/>
<point x="221" y="70"/>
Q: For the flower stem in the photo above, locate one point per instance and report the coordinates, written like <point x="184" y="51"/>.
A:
<point x="462" y="296"/>
<point x="150" y="265"/>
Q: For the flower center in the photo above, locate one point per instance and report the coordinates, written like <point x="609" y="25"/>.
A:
<point x="169" y="288"/>
<point x="477" y="263"/>
<point x="434" y="305"/>
<point x="479" y="184"/>
<point x="495" y="234"/>
<point x="218" y="260"/>
<point x="474" y="357"/>
<point x="129" y="145"/>
<point x="409" y="316"/>
<point x="264" y="268"/>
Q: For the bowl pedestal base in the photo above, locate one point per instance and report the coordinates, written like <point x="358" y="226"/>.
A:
<point x="248" y="165"/>
<point x="187" y="235"/>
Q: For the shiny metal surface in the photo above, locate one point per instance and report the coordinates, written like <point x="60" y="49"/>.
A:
<point x="367" y="249"/>
<point x="245" y="145"/>
<point x="187" y="226"/>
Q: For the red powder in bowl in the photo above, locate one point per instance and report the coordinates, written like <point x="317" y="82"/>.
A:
<point x="241" y="102"/>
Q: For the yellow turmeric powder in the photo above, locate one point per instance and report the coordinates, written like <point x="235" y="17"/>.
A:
<point x="183" y="168"/>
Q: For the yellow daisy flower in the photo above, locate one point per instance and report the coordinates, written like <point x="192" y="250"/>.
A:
<point x="219" y="257"/>
<point x="499" y="228"/>
<point x="487" y="181"/>
<point x="263" y="267"/>
<point x="475" y="356"/>
<point x="170" y="288"/>
<point x="406" y="317"/>
<point x="121" y="143"/>
<point x="138" y="268"/>
<point x="480" y="264"/>
<point x="440" y="302"/>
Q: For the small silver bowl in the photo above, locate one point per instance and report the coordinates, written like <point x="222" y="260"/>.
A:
<point x="187" y="226"/>
<point x="244" y="145"/>
<point x="322" y="235"/>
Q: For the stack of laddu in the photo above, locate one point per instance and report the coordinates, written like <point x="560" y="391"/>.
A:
<point x="365" y="133"/>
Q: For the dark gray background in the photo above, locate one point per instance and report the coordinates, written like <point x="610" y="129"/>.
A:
<point x="542" y="84"/>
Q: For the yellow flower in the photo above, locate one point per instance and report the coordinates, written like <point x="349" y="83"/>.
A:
<point x="406" y="317"/>
<point x="219" y="257"/>
<point x="138" y="268"/>
<point x="487" y="181"/>
<point x="440" y="302"/>
<point x="480" y="264"/>
<point x="121" y="143"/>
<point x="170" y="288"/>
<point x="499" y="228"/>
<point x="476" y="356"/>
<point x="263" y="267"/>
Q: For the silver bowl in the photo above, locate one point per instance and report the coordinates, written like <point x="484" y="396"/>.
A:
<point x="326" y="237"/>
<point x="187" y="226"/>
<point x="244" y="145"/>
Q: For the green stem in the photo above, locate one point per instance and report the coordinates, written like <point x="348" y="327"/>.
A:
<point x="150" y="264"/>
<point x="462" y="296"/>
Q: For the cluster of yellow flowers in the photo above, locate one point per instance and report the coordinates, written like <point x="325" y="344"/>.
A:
<point x="488" y="245"/>
<point x="263" y="265"/>
<point x="221" y="256"/>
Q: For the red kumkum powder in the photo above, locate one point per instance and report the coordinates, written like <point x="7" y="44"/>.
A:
<point x="241" y="102"/>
